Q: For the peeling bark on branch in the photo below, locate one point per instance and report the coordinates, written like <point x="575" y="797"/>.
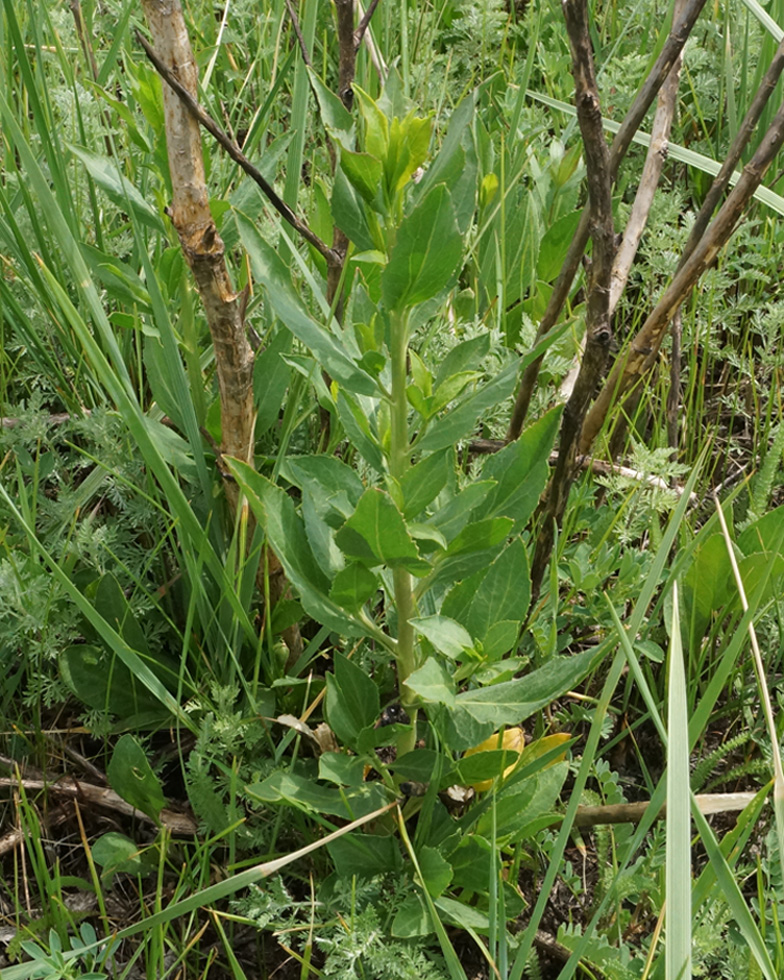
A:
<point x="201" y="243"/>
<point x="188" y="99"/>
<point x="204" y="251"/>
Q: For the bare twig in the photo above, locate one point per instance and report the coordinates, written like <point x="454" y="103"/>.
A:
<point x="644" y="349"/>
<point x="233" y="150"/>
<point x="742" y="137"/>
<point x="699" y="234"/>
<point x="347" y="51"/>
<point x="204" y="250"/>
<point x="598" y="331"/>
<point x="364" y="23"/>
<point x="298" y="31"/>
<point x="631" y="123"/>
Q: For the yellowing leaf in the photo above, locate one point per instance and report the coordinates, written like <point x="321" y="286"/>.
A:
<point x="513" y="740"/>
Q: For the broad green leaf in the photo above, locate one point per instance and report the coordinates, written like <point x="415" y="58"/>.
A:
<point x="159" y="377"/>
<point x="364" y="172"/>
<point x="555" y="244"/>
<point x="707" y="585"/>
<point x="132" y="778"/>
<point x="514" y="701"/>
<point x="306" y="794"/>
<point x="483" y="767"/>
<point x="467" y="354"/>
<point x="428" y="538"/>
<point x="432" y="683"/>
<point x="454" y="515"/>
<point x="320" y="535"/>
<point x="271" y="376"/>
<point x="455" y="164"/>
<point x="418" y="765"/>
<point x="409" y="141"/>
<point x="376" y="125"/>
<point x="349" y="214"/>
<point x="462" y="916"/>
<point x="461" y="420"/>
<point x="425" y="255"/>
<point x="460" y="730"/>
<point x="448" y="391"/>
<point x="328" y="478"/>
<point x="763" y="533"/>
<point x="480" y="535"/>
<point x="520" y="471"/>
<point x="335" y="116"/>
<point x="117" y="854"/>
<point x="444" y="635"/>
<point x="111" y="603"/>
<point x="102" y="681"/>
<point x="365" y="855"/>
<point x="353" y="586"/>
<point x="285" y="531"/>
<point x="376" y="534"/>
<point x="121" y="281"/>
<point x="423" y="482"/>
<point x="413" y="918"/>
<point x="521" y="804"/>
<point x="270" y="270"/>
<point x="493" y="598"/>
<point x="352" y="700"/>
<point x="106" y="173"/>
<point x="345" y="770"/>
<point x="358" y="429"/>
<point x="436" y="870"/>
<point x="471" y="862"/>
<point x="423" y="379"/>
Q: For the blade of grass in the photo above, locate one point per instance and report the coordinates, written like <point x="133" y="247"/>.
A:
<point x="456" y="971"/>
<point x="778" y="773"/>
<point x="678" y="828"/>
<point x="674" y="151"/>
<point x="206" y="896"/>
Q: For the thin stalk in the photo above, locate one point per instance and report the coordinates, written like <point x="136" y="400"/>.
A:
<point x="399" y="463"/>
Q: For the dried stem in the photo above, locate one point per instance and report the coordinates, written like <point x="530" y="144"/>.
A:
<point x="651" y="172"/>
<point x="674" y="394"/>
<point x="347" y="48"/>
<point x="631" y="123"/>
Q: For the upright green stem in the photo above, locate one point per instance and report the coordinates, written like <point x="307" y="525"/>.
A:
<point x="399" y="463"/>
